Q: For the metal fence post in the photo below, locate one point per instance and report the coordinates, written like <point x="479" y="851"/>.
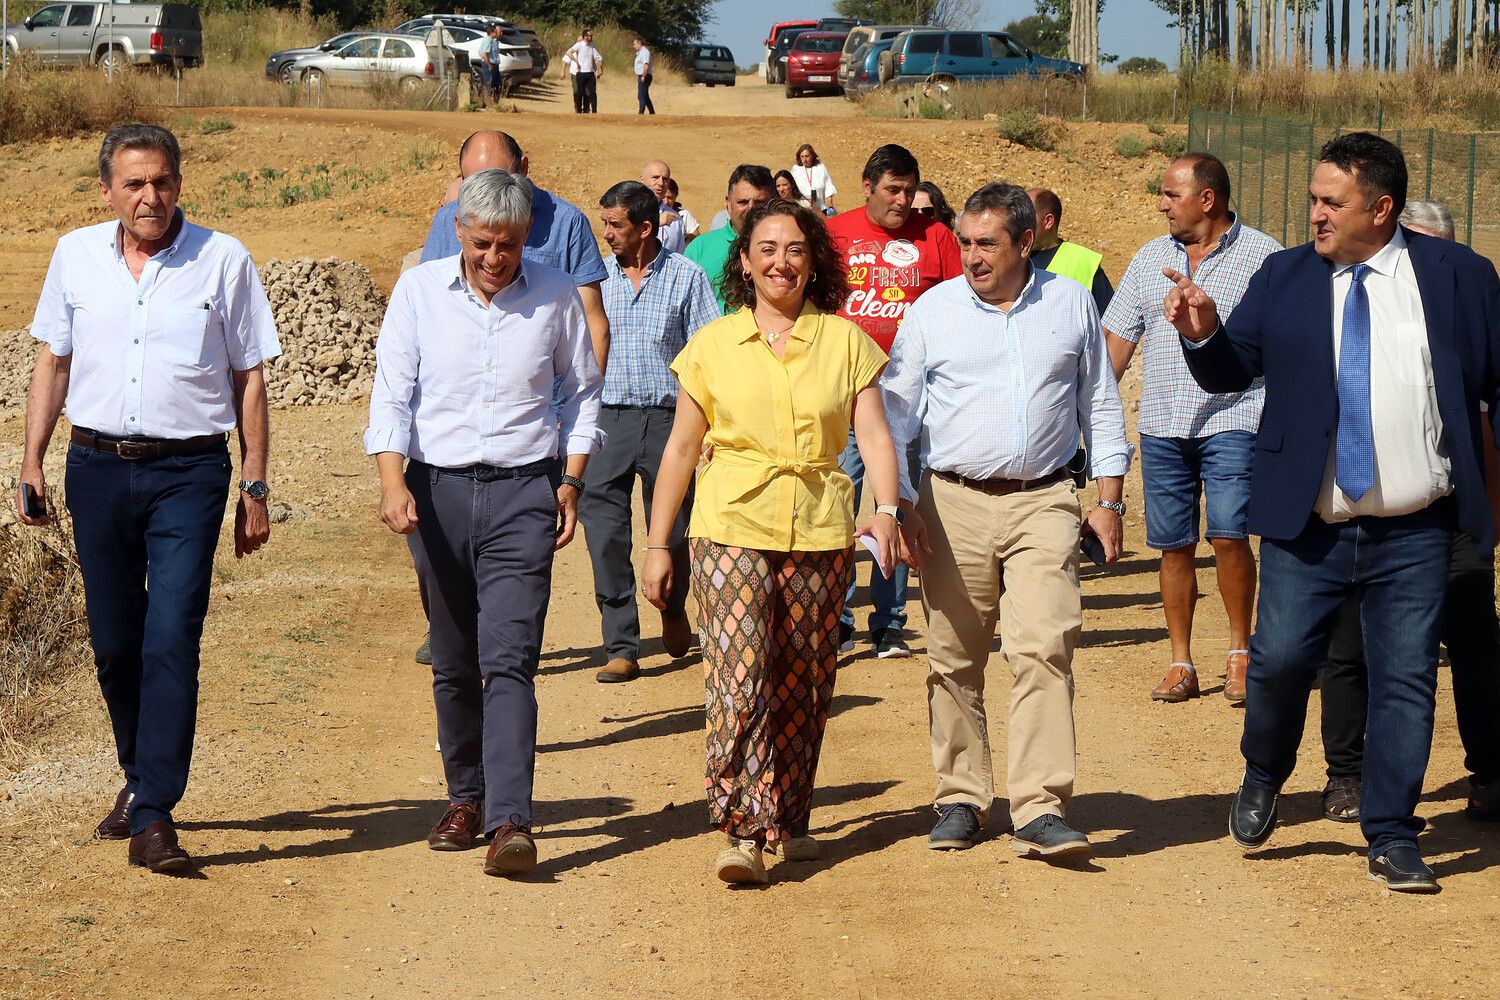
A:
<point x="1469" y="235"/>
<point x="1286" y="181"/>
<point x="1260" y="208"/>
<point x="1428" y="195"/>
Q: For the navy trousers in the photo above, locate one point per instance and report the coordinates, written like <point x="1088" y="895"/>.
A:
<point x="483" y="555"/>
<point x="146" y="531"/>
<point x="1397" y="568"/>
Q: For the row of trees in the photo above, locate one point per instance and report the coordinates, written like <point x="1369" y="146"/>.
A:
<point x="1393" y="34"/>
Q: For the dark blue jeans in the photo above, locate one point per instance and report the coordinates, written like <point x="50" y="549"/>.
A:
<point x="887" y="596"/>
<point x="1397" y="567"/>
<point x="148" y="527"/>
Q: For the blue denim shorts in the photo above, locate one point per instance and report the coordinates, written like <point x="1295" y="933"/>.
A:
<point x="1176" y="471"/>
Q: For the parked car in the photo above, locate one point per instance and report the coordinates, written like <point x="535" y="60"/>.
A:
<point x="712" y="64"/>
<point x="279" y="64"/>
<point x="775" y="54"/>
<point x="481" y="22"/>
<point x="468" y="46"/>
<point x="864" y="69"/>
<point x="965" y="55"/>
<point x="137" y="34"/>
<point x="400" y="59"/>
<point x="812" y="65"/>
<point x="842" y="25"/>
<point x="784" y="50"/>
<point x="861" y="34"/>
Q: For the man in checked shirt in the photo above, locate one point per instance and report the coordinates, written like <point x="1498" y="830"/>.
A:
<point x="1193" y="442"/>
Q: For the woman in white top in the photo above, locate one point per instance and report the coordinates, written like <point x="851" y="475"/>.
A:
<point x="812" y="179"/>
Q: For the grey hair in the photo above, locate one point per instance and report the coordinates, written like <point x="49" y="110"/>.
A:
<point x="1020" y="213"/>
<point x="1432" y="215"/>
<point x="494" y="197"/>
<point x="134" y="135"/>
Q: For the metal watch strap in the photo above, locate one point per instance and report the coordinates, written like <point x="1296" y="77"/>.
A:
<point x="1118" y="506"/>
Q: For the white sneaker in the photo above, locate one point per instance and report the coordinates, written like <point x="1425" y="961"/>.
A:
<point x="742" y="864"/>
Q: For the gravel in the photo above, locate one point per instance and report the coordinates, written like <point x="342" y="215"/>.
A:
<point x="328" y="314"/>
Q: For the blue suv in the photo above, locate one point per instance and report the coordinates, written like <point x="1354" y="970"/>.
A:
<point x="965" y="55"/>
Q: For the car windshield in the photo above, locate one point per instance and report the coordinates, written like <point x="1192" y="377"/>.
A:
<point x="806" y="44"/>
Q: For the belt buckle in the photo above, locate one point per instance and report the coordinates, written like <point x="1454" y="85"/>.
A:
<point x="131" y="451"/>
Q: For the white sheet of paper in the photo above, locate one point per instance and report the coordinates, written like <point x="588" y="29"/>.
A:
<point x="869" y="542"/>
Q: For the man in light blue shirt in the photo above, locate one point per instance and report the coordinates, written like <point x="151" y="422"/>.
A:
<point x="643" y="78"/>
<point x="656" y="300"/>
<point x="484" y="378"/>
<point x="999" y="371"/>
<point x="559" y="236"/>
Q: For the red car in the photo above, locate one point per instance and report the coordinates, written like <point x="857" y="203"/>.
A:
<point x="813" y="64"/>
<point x="775" y="52"/>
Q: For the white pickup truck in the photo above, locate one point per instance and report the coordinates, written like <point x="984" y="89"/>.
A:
<point x="112" y="36"/>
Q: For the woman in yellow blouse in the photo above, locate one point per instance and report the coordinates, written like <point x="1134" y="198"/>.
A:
<point x="773" y="389"/>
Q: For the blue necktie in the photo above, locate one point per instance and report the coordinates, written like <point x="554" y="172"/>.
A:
<point x="1354" y="450"/>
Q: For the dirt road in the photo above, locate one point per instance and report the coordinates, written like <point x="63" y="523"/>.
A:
<point x="315" y="778"/>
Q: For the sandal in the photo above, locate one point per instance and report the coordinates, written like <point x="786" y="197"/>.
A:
<point x="1180" y="684"/>
<point x="1341" y="800"/>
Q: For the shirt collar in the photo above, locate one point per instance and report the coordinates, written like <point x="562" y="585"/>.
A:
<point x="167" y="253"/>
<point x="461" y="283"/>
<point x="1225" y="241"/>
<point x="1384" y="260"/>
<point x="657" y="263"/>
<point x="1024" y="296"/>
<point x="809" y="322"/>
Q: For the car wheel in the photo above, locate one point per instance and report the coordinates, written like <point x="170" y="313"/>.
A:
<point x="886" y="66"/>
<point x="409" y="84"/>
<point x="286" y="74"/>
<point x="113" y="61"/>
<point x="791" y="92"/>
<point x="313" y="78"/>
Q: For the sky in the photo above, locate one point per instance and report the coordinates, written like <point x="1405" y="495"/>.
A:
<point x="1127" y="27"/>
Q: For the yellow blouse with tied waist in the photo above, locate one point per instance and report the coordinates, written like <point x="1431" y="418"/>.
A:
<point x="777" y="426"/>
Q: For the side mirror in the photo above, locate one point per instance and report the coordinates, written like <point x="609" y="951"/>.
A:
<point x="26" y="24"/>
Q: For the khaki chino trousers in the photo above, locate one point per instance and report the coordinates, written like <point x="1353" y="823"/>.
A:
<point x="1015" y="555"/>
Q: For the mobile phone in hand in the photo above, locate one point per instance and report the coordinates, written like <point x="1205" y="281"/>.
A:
<point x="1093" y="548"/>
<point x="31" y="506"/>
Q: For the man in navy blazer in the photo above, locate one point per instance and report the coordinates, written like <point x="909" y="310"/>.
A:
<point x="1377" y="345"/>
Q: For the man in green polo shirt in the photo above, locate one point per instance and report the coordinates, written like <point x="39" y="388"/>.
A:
<point x="749" y="185"/>
<point x="1052" y="253"/>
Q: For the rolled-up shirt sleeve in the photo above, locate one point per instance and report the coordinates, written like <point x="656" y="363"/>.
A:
<point x="901" y="387"/>
<point x="53" y="320"/>
<point x="397" y="357"/>
<point x="580" y="382"/>
<point x="1099" y="409"/>
<point x="249" y="324"/>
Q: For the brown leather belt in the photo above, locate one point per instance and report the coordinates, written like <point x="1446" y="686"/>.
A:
<point x="1003" y="487"/>
<point x="132" y="449"/>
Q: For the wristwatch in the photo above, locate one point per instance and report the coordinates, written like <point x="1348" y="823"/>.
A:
<point x="893" y="510"/>
<point x="572" y="481"/>
<point x="1118" y="506"/>
<point x="254" y="489"/>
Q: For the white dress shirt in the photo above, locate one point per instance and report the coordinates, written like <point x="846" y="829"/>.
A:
<point x="153" y="358"/>
<point x="999" y="395"/>
<point x="814" y="184"/>
<point x="642" y="60"/>
<point x="458" y="383"/>
<point x="1411" y="463"/>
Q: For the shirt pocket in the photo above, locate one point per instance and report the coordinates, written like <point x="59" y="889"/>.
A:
<point x="182" y="334"/>
<point x="1411" y="357"/>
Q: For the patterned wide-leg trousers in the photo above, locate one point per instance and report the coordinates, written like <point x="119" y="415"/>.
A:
<point x="769" y="625"/>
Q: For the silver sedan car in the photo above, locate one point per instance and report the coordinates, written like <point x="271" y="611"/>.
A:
<point x="372" y="59"/>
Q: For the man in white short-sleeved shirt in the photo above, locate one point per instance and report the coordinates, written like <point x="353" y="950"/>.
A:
<point x="154" y="334"/>
<point x="586" y="66"/>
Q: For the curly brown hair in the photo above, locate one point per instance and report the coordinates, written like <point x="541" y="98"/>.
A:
<point x="829" y="285"/>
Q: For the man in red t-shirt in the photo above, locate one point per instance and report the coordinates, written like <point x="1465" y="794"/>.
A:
<point x="893" y="255"/>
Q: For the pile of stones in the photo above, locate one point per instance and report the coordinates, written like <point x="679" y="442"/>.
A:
<point x="328" y="314"/>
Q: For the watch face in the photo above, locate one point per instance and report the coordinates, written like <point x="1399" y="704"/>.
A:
<point x="257" y="490"/>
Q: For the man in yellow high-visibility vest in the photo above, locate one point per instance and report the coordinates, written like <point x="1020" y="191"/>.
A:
<point x="1052" y="253"/>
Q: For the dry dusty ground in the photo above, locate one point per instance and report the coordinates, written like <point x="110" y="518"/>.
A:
<point x="315" y="778"/>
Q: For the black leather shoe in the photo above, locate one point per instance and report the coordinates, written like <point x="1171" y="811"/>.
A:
<point x="1252" y="815"/>
<point x="1402" y="869"/>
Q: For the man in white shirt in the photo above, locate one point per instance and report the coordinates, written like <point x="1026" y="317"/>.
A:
<point x="468" y="357"/>
<point x="656" y="175"/>
<point x="643" y="77"/>
<point x="998" y="372"/>
<point x="586" y="65"/>
<point x="1377" y="345"/>
<point x="155" y="331"/>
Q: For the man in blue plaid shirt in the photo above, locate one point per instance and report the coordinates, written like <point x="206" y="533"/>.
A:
<point x="1193" y="442"/>
<point x="655" y="300"/>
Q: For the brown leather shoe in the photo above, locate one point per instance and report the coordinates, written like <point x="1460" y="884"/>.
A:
<point x="1180" y="684"/>
<point x="457" y="830"/>
<point x="116" y="825"/>
<point x="618" y="671"/>
<point x="676" y="634"/>
<point x="1235" y="669"/>
<point x="156" y="848"/>
<point x="512" y="851"/>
